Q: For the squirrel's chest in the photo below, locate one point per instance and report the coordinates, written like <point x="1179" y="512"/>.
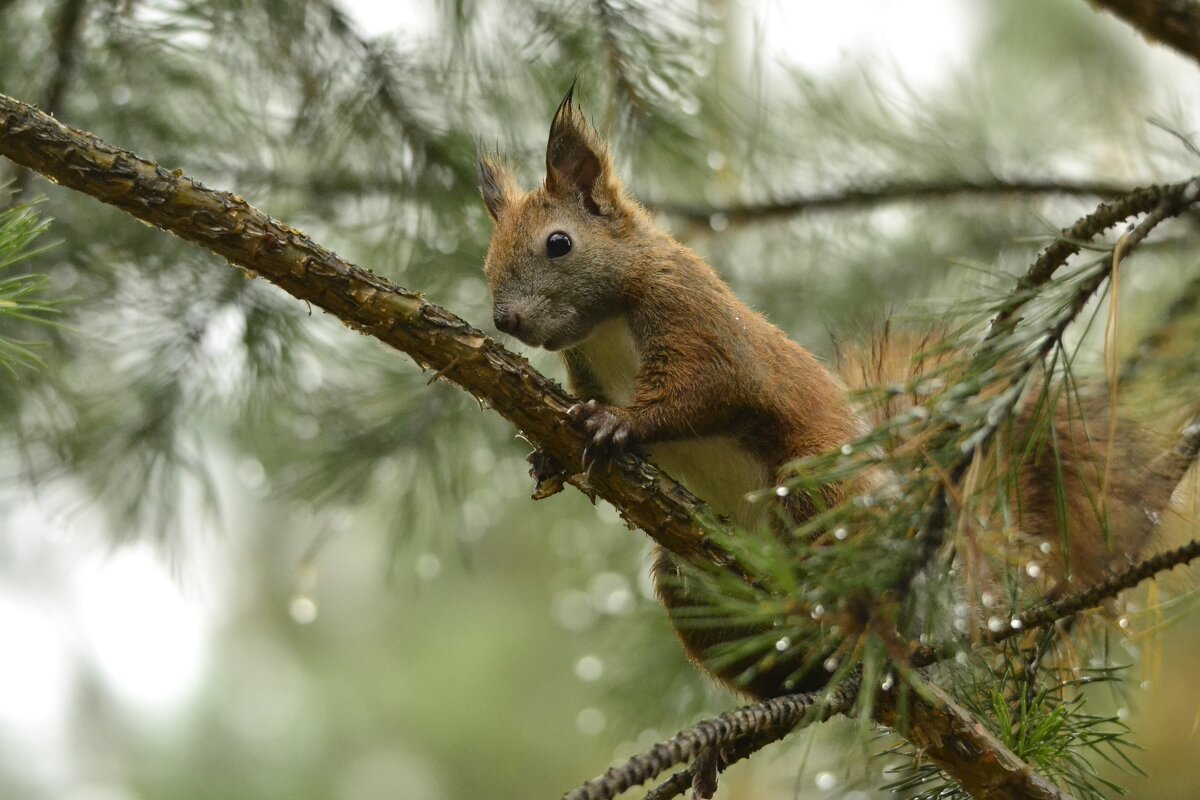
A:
<point x="718" y="469"/>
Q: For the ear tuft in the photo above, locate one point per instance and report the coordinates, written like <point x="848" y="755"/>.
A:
<point x="496" y="184"/>
<point x="578" y="166"/>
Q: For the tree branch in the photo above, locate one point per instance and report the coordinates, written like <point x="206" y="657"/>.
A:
<point x="1175" y="23"/>
<point x="66" y="42"/>
<point x="1069" y="242"/>
<point x="757" y="725"/>
<point x="434" y="338"/>
<point x="965" y="750"/>
<point x="948" y="733"/>
<point x="901" y="191"/>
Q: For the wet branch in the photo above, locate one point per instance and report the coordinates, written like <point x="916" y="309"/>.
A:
<point x="432" y="336"/>
<point x="67" y="33"/>
<point x="440" y="341"/>
<point x="743" y="731"/>
<point x="956" y="741"/>
<point x="884" y="193"/>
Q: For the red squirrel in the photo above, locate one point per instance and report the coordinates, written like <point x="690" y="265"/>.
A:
<point x="667" y="358"/>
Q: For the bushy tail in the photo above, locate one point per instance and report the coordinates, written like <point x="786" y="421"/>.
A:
<point x="1090" y="491"/>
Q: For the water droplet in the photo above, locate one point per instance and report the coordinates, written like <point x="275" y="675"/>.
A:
<point x="303" y="609"/>
<point x="611" y="593"/>
<point x="830" y="664"/>
<point x="1016" y="624"/>
<point x="589" y="668"/>
<point x="961" y="609"/>
<point x="960" y="625"/>
<point x="1124" y="623"/>
<point x="847" y="450"/>
<point x="783" y="644"/>
<point x="1046" y="547"/>
<point x="250" y="472"/>
<point x="572" y="610"/>
<point x="1033" y="569"/>
<point x="428" y="566"/>
<point x="591" y="721"/>
<point x="988" y="599"/>
<point x="960" y="658"/>
<point x="782" y="491"/>
<point x="995" y="624"/>
<point x="840" y="534"/>
<point x="1123" y="714"/>
<point x="818" y="611"/>
<point x="826" y="781"/>
<point x="888" y="682"/>
<point x="718" y="222"/>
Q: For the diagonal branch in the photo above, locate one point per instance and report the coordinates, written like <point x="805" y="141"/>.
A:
<point x="66" y="42"/>
<point x="434" y="338"/>
<point x="965" y="750"/>
<point x="1175" y="23"/>
<point x="757" y="725"/>
<point x="946" y="732"/>
<point x="887" y="192"/>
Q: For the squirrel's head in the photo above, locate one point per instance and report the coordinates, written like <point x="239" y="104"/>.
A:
<point x="557" y="255"/>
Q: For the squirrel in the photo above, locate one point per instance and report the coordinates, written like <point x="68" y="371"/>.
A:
<point x="666" y="358"/>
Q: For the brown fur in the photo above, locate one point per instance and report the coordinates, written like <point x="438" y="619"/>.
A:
<point x="676" y="363"/>
<point x="1101" y="523"/>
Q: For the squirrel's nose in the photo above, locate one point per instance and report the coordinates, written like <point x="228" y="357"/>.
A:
<point x="507" y="321"/>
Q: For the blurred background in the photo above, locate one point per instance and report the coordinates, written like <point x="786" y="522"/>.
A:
<point x="247" y="553"/>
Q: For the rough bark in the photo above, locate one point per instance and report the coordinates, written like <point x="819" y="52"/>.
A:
<point x="958" y="743"/>
<point x="435" y="338"/>
<point x="438" y="340"/>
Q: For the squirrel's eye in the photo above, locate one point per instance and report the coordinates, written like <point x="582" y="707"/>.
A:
<point x="558" y="244"/>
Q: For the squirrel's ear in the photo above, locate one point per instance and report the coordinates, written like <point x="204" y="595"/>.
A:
<point x="497" y="185"/>
<point x="578" y="165"/>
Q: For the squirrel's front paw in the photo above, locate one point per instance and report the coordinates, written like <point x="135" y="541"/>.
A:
<point x="608" y="429"/>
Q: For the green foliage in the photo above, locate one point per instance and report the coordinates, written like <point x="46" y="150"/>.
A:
<point x="177" y="397"/>
<point x="1040" y="715"/>
<point x="24" y="299"/>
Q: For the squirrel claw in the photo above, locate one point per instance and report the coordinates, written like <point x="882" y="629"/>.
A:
<point x="608" y="430"/>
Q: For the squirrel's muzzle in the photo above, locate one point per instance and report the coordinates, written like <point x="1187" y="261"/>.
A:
<point x="507" y="321"/>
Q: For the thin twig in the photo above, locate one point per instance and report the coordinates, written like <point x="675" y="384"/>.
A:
<point x="887" y="192"/>
<point x="1107" y="215"/>
<point x="762" y="724"/>
<point x="1171" y="200"/>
